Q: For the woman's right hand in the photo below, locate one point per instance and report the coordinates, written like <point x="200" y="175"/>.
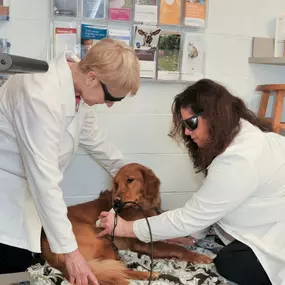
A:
<point x="78" y="270"/>
<point x="123" y="228"/>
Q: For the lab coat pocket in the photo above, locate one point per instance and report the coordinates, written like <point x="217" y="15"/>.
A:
<point x="275" y="237"/>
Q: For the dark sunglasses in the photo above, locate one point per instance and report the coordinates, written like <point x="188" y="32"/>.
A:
<point x="192" y="122"/>
<point x="108" y="97"/>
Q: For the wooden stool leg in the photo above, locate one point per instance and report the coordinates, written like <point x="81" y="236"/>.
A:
<point x="263" y="104"/>
<point x="277" y="115"/>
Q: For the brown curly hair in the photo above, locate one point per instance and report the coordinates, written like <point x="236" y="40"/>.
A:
<point x="223" y="112"/>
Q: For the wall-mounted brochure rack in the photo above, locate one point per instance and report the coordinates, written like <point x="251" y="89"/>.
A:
<point x="167" y="35"/>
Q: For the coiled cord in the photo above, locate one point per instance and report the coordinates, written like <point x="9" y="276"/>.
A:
<point x="117" y="206"/>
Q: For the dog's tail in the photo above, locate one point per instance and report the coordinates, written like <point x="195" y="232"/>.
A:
<point x="109" y="272"/>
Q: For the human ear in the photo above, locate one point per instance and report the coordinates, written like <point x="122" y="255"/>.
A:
<point x="91" y="78"/>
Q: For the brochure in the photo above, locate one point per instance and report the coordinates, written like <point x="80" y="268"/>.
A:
<point x="193" y="57"/>
<point x="146" y="40"/>
<point x="4" y="10"/>
<point x="168" y="55"/>
<point x="90" y="35"/>
<point x="146" y="37"/>
<point x="146" y="11"/>
<point x="279" y="46"/>
<point x="93" y="9"/>
<point x="120" y="10"/>
<point x="195" y="13"/>
<point x="170" y="12"/>
<point x="65" y="37"/>
<point x="122" y="35"/>
<point x="67" y="8"/>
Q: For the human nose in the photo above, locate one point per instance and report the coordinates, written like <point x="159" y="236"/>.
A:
<point x="187" y="132"/>
<point x="109" y="104"/>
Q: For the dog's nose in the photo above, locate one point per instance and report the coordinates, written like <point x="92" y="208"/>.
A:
<point x="117" y="199"/>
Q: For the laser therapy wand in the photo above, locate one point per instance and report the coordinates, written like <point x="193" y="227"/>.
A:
<point x="13" y="64"/>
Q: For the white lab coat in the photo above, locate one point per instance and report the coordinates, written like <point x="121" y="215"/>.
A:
<point x="39" y="134"/>
<point x="244" y="193"/>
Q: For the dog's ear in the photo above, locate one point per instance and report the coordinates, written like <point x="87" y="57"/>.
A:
<point x="151" y="183"/>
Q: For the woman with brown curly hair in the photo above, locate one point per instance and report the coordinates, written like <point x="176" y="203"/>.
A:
<point x="243" y="193"/>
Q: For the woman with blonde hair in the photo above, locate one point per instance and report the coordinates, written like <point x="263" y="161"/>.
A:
<point x="43" y="120"/>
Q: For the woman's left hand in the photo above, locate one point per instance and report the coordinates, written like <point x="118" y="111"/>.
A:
<point x="123" y="228"/>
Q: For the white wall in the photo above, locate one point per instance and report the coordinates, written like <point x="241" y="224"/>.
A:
<point x="139" y="126"/>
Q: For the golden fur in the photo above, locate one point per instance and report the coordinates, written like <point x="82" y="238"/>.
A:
<point x="133" y="182"/>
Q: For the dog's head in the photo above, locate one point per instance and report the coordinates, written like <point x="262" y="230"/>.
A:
<point x="137" y="183"/>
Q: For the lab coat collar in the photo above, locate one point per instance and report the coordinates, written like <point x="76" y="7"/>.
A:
<point x="66" y="81"/>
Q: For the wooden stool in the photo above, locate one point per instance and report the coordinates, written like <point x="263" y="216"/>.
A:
<point x="279" y="90"/>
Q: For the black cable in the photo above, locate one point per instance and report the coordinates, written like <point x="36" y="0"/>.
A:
<point x="113" y="233"/>
<point x="117" y="206"/>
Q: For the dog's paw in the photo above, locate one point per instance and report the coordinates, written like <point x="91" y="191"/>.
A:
<point x="198" y="258"/>
<point x="155" y="275"/>
<point x="204" y="259"/>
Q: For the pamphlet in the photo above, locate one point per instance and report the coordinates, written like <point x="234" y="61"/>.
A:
<point x="146" y="40"/>
<point x="170" y="12"/>
<point x="93" y="9"/>
<point x="120" y="10"/>
<point x="193" y="57"/>
<point x="65" y="37"/>
<point x="168" y="55"/>
<point x="66" y="8"/>
<point x="4" y="10"/>
<point x="279" y="46"/>
<point x="195" y="13"/>
<point x="146" y="11"/>
<point x="122" y="35"/>
<point x="90" y="35"/>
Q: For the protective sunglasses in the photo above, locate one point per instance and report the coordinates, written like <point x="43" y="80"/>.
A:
<point x="192" y="122"/>
<point x="107" y="95"/>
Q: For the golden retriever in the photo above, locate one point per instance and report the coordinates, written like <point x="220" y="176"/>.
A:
<point x="133" y="182"/>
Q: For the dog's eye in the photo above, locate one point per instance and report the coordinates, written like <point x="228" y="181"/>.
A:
<point x="130" y="180"/>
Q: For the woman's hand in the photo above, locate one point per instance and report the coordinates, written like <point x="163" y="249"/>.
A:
<point x="78" y="270"/>
<point x="123" y="228"/>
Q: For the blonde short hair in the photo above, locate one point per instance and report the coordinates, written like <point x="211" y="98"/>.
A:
<point x="115" y="63"/>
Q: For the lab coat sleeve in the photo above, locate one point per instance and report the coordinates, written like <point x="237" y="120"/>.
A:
<point x="95" y="142"/>
<point x="229" y="182"/>
<point x="201" y="234"/>
<point x="37" y="126"/>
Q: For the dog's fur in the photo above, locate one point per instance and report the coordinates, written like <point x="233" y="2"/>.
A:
<point x="133" y="182"/>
